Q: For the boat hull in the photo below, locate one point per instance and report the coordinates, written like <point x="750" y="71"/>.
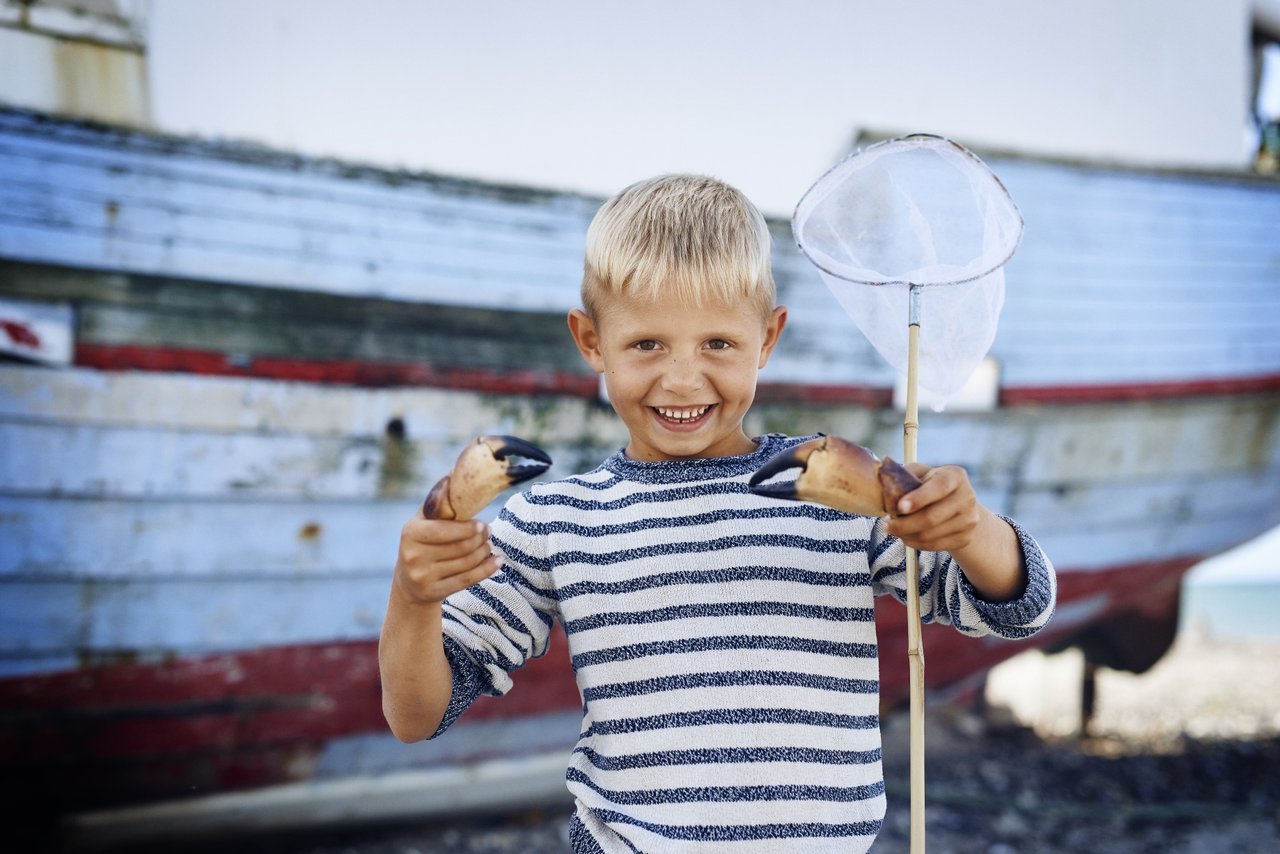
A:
<point x="230" y="374"/>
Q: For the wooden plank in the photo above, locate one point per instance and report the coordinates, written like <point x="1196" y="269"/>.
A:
<point x="147" y="464"/>
<point x="175" y="537"/>
<point x="115" y="197"/>
<point x="232" y="404"/>
<point x="325" y="444"/>
<point x="163" y="618"/>
<point x="25" y="242"/>
<point x="81" y="462"/>
<point x="360" y="339"/>
<point x="1200" y="438"/>
<point x="217" y="164"/>
<point x="380" y="250"/>
<point x="167" y="174"/>
<point x="1067" y="445"/>
<point x="1047" y="447"/>
<point x="138" y="217"/>
<point x="121" y="539"/>
<point x="1185" y="204"/>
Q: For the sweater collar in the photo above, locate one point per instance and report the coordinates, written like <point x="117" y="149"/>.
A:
<point x="695" y="470"/>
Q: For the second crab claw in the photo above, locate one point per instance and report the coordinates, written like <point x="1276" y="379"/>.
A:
<point x="839" y="474"/>
<point x="483" y="470"/>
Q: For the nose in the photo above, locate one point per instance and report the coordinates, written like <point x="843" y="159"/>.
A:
<point x="682" y="376"/>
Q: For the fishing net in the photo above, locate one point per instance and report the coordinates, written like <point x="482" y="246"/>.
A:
<point x="919" y="210"/>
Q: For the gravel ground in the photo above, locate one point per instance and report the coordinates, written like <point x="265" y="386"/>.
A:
<point x="1184" y="759"/>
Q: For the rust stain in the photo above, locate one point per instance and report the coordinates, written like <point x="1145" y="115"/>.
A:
<point x="1262" y="437"/>
<point x="399" y="461"/>
<point x="300" y="763"/>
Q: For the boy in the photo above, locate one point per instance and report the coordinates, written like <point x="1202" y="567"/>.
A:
<point x="723" y="642"/>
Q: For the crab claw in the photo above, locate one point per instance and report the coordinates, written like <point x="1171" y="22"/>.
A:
<point x="838" y="474"/>
<point x="483" y="470"/>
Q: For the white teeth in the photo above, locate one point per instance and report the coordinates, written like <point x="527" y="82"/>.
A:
<point x="682" y="414"/>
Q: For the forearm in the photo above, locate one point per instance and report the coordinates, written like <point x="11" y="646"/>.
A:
<point x="416" y="680"/>
<point x="992" y="560"/>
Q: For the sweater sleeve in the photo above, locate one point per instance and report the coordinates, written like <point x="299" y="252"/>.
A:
<point x="494" y="627"/>
<point x="946" y="596"/>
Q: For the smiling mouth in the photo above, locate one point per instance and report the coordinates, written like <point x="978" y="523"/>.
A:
<point x="682" y="414"/>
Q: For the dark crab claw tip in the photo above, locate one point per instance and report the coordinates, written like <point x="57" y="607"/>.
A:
<point x="784" y="461"/>
<point x="509" y="446"/>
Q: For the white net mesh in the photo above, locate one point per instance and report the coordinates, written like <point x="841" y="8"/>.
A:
<point x="918" y="210"/>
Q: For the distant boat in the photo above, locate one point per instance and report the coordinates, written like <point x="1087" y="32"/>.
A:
<point x="231" y="373"/>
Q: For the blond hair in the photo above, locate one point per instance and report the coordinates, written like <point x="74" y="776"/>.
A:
<point x="683" y="237"/>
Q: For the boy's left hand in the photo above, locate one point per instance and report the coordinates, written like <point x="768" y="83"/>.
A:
<point x="942" y="514"/>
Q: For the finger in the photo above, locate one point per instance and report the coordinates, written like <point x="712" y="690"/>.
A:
<point x="937" y="485"/>
<point x="467" y="562"/>
<point x="460" y="583"/>
<point x="940" y="541"/>
<point x="427" y="585"/>
<point x="930" y="491"/>
<point x="926" y="521"/>
<point x="428" y="558"/>
<point x="941" y="527"/>
<point x="472" y="577"/>
<point x="441" y="531"/>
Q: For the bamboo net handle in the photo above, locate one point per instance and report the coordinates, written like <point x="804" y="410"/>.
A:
<point x="915" y="649"/>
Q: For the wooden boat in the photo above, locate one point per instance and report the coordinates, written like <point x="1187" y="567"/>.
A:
<point x="233" y="372"/>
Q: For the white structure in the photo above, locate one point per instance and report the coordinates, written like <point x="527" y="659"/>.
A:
<point x="571" y="95"/>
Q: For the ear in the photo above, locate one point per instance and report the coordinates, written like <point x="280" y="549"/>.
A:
<point x="772" y="332"/>
<point x="583" y="330"/>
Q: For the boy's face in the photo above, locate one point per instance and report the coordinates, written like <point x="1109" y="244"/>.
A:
<point x="680" y="377"/>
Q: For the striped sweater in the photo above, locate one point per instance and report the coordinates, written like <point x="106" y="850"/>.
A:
<point x="724" y="646"/>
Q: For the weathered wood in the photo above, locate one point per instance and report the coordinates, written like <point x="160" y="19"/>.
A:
<point x="231" y="405"/>
<point x="263" y="321"/>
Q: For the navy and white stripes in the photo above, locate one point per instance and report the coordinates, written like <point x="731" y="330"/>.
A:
<point x="724" y="645"/>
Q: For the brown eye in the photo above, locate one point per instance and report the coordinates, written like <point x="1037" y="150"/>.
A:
<point x="718" y="344"/>
<point x="647" y="345"/>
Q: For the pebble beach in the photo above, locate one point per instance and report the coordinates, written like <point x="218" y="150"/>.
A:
<point x="1184" y="759"/>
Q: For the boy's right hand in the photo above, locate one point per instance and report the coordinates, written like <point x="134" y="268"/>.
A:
<point x="438" y="558"/>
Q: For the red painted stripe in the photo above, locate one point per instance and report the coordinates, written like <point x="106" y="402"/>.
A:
<point x="824" y="395"/>
<point x="231" y="678"/>
<point x="1078" y="394"/>
<point x="130" y="357"/>
<point x="259" y="697"/>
